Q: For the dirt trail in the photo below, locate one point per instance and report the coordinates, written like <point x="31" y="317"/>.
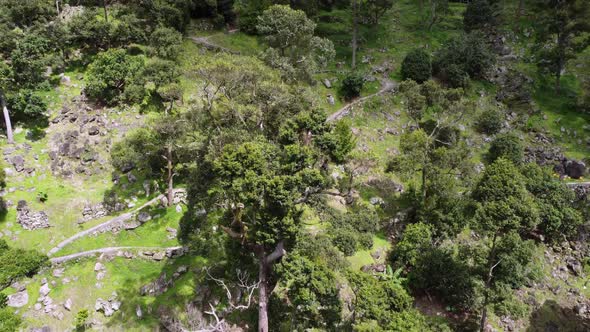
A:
<point x="204" y="41"/>
<point x="116" y="221"/>
<point x="387" y="85"/>
<point x="107" y="250"/>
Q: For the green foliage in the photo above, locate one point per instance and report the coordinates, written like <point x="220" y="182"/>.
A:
<point x="442" y="273"/>
<point x="377" y="300"/>
<point x="353" y="231"/>
<point x="416" y="239"/>
<point x="27" y="13"/>
<point x="9" y="322"/>
<point x="80" y="321"/>
<point x="375" y="9"/>
<point x="339" y="142"/>
<point x="109" y="75"/>
<point x="293" y="47"/>
<point x="490" y="121"/>
<point x="3" y="300"/>
<point x="16" y="263"/>
<point x="503" y="203"/>
<point x="166" y="42"/>
<point x="345" y="239"/>
<point x="417" y="66"/>
<point x="513" y="307"/>
<point x="467" y="55"/>
<point x="478" y="15"/>
<point x="507" y="146"/>
<point x="311" y="291"/>
<point x="28" y="60"/>
<point x="26" y="105"/>
<point x="352" y="85"/>
<point x="558" y="215"/>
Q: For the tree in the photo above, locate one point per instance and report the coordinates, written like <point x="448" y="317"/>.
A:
<point x="293" y="47"/>
<point x="503" y="206"/>
<point x="355" y="31"/>
<point x="417" y="66"/>
<point x="478" y="15"/>
<point x="437" y="10"/>
<point x="109" y="75"/>
<point x="163" y="149"/>
<point x="558" y="215"/>
<point x="490" y="121"/>
<point x="5" y="83"/>
<point x="561" y="33"/>
<point x="352" y="85"/>
<point x="507" y="146"/>
<point x="376" y="9"/>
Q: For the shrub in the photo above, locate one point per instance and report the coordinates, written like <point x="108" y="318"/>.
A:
<point x="506" y="146"/>
<point x="466" y="55"/>
<point x="26" y="105"/>
<point x="110" y="73"/>
<point x="16" y="263"/>
<point x="416" y="238"/>
<point x="352" y="85"/>
<point x="345" y="239"/>
<point x="478" y="15"/>
<point x="165" y="42"/>
<point x="81" y="319"/>
<point x="339" y="142"/>
<point x="417" y="66"/>
<point x="490" y="122"/>
<point x="9" y="322"/>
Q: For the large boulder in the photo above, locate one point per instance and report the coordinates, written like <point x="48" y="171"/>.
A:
<point x="18" y="300"/>
<point x="18" y="162"/>
<point x="575" y="169"/>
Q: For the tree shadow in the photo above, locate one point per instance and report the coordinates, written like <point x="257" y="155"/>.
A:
<point x="552" y="317"/>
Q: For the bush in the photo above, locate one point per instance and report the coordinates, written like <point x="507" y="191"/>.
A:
<point x="478" y="15"/>
<point x="466" y="55"/>
<point x="345" y="239"/>
<point x="490" y="122"/>
<point x="26" y="105"/>
<point x="9" y="322"/>
<point x="352" y="85"/>
<point x="81" y="320"/>
<point x="417" y="66"/>
<point x="416" y="239"/>
<point x="506" y="146"/>
<point x="340" y="142"/>
<point x="166" y="42"/>
<point x="16" y="263"/>
<point x="111" y="72"/>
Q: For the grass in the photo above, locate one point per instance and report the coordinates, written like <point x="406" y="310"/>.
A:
<point x="363" y="257"/>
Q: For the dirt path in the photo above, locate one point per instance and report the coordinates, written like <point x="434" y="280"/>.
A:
<point x="116" y="221"/>
<point x="387" y="85"/>
<point x="204" y="41"/>
<point x="108" y="250"/>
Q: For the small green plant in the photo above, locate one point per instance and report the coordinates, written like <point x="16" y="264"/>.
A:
<point x="42" y="196"/>
<point x="81" y="319"/>
<point x="490" y="122"/>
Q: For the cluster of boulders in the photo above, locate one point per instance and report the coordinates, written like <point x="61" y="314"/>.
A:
<point x="108" y="307"/>
<point x="46" y="303"/>
<point x="544" y="153"/>
<point x="30" y="220"/>
<point x="163" y="283"/>
<point x="91" y="212"/>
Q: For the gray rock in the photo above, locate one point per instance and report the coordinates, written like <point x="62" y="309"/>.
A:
<point x="44" y="290"/>
<point x="131" y="178"/>
<point x="98" y="267"/>
<point x="327" y="83"/>
<point x="93" y="131"/>
<point x="330" y="99"/>
<point x="18" y="162"/>
<point x="143" y="217"/>
<point x="68" y="305"/>
<point x="377" y="201"/>
<point x="575" y="169"/>
<point x="18" y="300"/>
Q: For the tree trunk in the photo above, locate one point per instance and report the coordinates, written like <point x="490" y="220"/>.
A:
<point x="57" y="7"/>
<point x="263" y="295"/>
<point x="170" y="177"/>
<point x="423" y="186"/>
<point x="488" y="284"/>
<point x="106" y="14"/>
<point x="520" y="10"/>
<point x="7" y="121"/>
<point x="354" y="31"/>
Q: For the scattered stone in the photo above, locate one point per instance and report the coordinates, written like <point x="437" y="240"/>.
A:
<point x="93" y="131"/>
<point x="44" y="290"/>
<point x="30" y="220"/>
<point x="98" y="267"/>
<point x="327" y="83"/>
<point x="18" y="162"/>
<point x="330" y="99"/>
<point x="158" y="256"/>
<point x="377" y="201"/>
<point x="131" y="178"/>
<point x="68" y="305"/>
<point x="138" y="311"/>
<point x="58" y="272"/>
<point x="143" y="217"/>
<point x="131" y="225"/>
<point x="18" y="300"/>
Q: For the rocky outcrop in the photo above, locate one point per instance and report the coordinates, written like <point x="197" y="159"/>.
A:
<point x="30" y="220"/>
<point x="108" y="307"/>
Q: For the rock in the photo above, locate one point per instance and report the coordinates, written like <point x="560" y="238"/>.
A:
<point x="377" y="201"/>
<point x="164" y="201"/>
<point x="98" y="267"/>
<point x="131" y="178"/>
<point x="18" y="300"/>
<point x="327" y="83"/>
<point x="100" y="275"/>
<point x="575" y="169"/>
<point x="44" y="290"/>
<point x="581" y="309"/>
<point x="330" y="99"/>
<point x="158" y="256"/>
<point x="68" y="305"/>
<point x="127" y="167"/>
<point x="30" y="220"/>
<point x="93" y="131"/>
<point x="18" y="162"/>
<point x="178" y="208"/>
<point x="143" y="217"/>
<point x="58" y="272"/>
<point x="574" y="265"/>
<point x="131" y="225"/>
<point x="38" y="306"/>
<point x="138" y="311"/>
<point x="64" y="79"/>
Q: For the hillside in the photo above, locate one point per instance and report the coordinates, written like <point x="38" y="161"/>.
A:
<point x="235" y="166"/>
